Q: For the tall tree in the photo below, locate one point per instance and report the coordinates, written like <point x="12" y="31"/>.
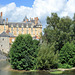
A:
<point x="58" y="30"/>
<point x="47" y="58"/>
<point x="23" y="53"/>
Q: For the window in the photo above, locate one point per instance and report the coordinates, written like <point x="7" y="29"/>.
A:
<point x="4" y="27"/>
<point x="22" y="29"/>
<point x="27" y="29"/>
<point x="35" y="31"/>
<point x="17" y="30"/>
<point x="11" y="28"/>
<point x="31" y="30"/>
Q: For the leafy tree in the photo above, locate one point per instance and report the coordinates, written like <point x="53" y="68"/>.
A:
<point x="23" y="52"/>
<point x="58" y="31"/>
<point x="46" y="57"/>
<point x="67" y="54"/>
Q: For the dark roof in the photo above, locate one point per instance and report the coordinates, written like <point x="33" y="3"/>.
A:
<point x="25" y="18"/>
<point x="24" y="24"/>
<point x="29" y="23"/>
<point x="4" y="34"/>
<point x="11" y="34"/>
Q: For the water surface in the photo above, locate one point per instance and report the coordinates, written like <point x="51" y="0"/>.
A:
<point x="3" y="64"/>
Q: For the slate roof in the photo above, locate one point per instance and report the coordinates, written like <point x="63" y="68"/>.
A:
<point x="25" y="18"/>
<point x="29" y="23"/>
<point x="24" y="24"/>
<point x="4" y="34"/>
<point x="11" y="35"/>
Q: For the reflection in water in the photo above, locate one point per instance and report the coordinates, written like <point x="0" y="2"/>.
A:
<point x="5" y="63"/>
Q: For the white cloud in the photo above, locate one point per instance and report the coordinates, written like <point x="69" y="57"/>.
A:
<point x="40" y="8"/>
<point x="69" y="9"/>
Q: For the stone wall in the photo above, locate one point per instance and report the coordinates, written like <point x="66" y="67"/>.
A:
<point x="4" y="44"/>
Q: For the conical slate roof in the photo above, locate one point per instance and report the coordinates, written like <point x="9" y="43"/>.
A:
<point x="4" y="34"/>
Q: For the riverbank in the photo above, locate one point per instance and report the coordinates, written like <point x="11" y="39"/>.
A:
<point x="60" y="70"/>
<point x="52" y="71"/>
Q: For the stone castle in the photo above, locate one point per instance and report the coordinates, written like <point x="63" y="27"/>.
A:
<point x="9" y="30"/>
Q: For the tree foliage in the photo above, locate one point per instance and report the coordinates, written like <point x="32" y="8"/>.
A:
<point x="23" y="52"/>
<point x="67" y="54"/>
<point x="59" y="30"/>
<point x="46" y="57"/>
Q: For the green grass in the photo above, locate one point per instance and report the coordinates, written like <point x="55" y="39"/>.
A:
<point x="33" y="70"/>
<point x="57" y="72"/>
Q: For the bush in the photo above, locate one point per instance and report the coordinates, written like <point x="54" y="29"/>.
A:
<point x="64" y="66"/>
<point x="67" y="54"/>
<point x="23" y="52"/>
<point x="46" y="57"/>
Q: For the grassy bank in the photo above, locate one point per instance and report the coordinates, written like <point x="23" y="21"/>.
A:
<point x="57" y="72"/>
<point x="52" y="71"/>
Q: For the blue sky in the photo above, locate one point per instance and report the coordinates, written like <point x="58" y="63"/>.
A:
<point x="27" y="3"/>
<point x="16" y="10"/>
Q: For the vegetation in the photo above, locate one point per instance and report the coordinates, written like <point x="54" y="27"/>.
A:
<point x="58" y="32"/>
<point x="67" y="54"/>
<point x="46" y="58"/>
<point x="57" y="48"/>
<point x="57" y="72"/>
<point x="23" y="52"/>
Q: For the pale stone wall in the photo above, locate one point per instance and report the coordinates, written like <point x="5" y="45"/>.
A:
<point x="4" y="44"/>
<point x="35" y="32"/>
<point x="2" y="28"/>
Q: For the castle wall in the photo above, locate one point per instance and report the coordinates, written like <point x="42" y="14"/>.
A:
<point x="4" y="44"/>
<point x="2" y="28"/>
<point x="34" y="32"/>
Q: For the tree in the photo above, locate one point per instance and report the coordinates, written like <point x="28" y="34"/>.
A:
<point x="46" y="57"/>
<point x="67" y="54"/>
<point x="23" y="52"/>
<point x="58" y="31"/>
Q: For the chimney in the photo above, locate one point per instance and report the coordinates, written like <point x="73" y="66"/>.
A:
<point x="7" y="20"/>
<point x="36" y="20"/>
<point x="1" y="14"/>
<point x="27" y="20"/>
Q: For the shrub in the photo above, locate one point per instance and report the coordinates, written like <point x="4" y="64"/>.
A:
<point x="23" y="52"/>
<point x="46" y="57"/>
<point x="67" y="54"/>
<point x="64" y="66"/>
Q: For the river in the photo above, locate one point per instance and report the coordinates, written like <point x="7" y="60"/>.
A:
<point x="4" y="64"/>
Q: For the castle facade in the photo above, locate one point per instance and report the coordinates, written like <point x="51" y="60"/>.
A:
<point x="13" y="29"/>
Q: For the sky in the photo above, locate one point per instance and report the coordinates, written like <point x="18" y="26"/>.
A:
<point x="27" y="3"/>
<point x="16" y="10"/>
